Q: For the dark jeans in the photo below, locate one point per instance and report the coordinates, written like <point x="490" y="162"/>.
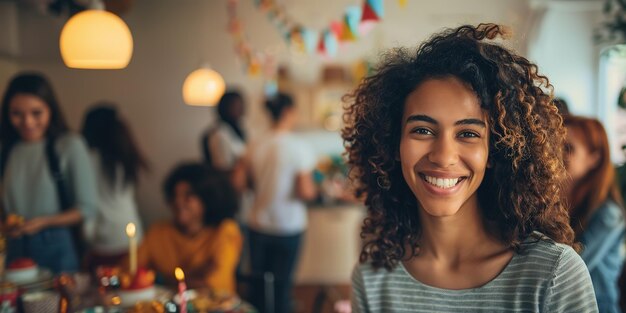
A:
<point x="278" y="255"/>
<point x="52" y="249"/>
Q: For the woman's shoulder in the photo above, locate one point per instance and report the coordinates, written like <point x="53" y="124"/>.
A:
<point x="543" y="254"/>
<point x="229" y="227"/>
<point x="611" y="213"/>
<point x="70" y="142"/>
<point x="365" y="273"/>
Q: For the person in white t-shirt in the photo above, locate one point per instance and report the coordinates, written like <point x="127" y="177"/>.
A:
<point x="117" y="162"/>
<point x="279" y="166"/>
<point x="224" y="143"/>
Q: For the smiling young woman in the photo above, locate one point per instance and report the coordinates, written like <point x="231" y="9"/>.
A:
<point x="458" y="150"/>
<point x="47" y="177"/>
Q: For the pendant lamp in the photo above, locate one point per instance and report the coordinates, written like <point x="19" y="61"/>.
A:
<point x="203" y="87"/>
<point x="96" y="39"/>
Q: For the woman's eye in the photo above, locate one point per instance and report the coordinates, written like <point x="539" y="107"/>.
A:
<point x="421" y="131"/>
<point x="469" y="134"/>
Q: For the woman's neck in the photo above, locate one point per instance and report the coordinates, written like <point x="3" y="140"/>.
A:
<point x="191" y="230"/>
<point x="281" y="128"/>
<point x="451" y="239"/>
<point x="457" y="252"/>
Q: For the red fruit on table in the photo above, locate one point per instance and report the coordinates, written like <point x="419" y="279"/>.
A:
<point x="22" y="263"/>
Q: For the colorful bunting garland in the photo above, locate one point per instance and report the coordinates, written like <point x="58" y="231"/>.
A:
<point x="357" y="21"/>
<point x="256" y="63"/>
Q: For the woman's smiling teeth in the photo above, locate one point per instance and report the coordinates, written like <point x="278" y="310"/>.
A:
<point x="444" y="183"/>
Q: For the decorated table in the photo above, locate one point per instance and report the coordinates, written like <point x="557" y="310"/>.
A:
<point x="103" y="293"/>
<point x="26" y="287"/>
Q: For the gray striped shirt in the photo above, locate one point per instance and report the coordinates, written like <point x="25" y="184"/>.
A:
<point x="546" y="277"/>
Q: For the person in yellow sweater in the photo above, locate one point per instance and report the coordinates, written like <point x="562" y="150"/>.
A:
<point x="202" y="237"/>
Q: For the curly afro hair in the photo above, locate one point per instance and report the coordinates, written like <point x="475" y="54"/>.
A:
<point x="521" y="192"/>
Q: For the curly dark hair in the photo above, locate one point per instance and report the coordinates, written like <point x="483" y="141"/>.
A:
<point x="213" y="187"/>
<point x="521" y="192"/>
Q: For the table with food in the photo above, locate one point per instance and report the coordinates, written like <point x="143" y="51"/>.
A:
<point x="29" y="288"/>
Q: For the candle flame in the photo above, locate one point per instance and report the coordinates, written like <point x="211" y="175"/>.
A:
<point x="180" y="275"/>
<point x="130" y="230"/>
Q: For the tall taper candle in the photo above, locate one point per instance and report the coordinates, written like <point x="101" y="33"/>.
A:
<point x="132" y="248"/>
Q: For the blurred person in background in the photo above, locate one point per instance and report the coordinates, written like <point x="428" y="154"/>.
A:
<point x="596" y="207"/>
<point x="225" y="142"/>
<point x="561" y="105"/>
<point x="118" y="162"/>
<point x="47" y="176"/>
<point x="223" y="146"/>
<point x="202" y="238"/>
<point x="279" y="168"/>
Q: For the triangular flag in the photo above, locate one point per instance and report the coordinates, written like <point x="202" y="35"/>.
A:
<point x="353" y="18"/>
<point x="378" y="7"/>
<point x="331" y="44"/>
<point x="254" y="67"/>
<point x="402" y="3"/>
<point x="369" y="18"/>
<point x="368" y="13"/>
<point x="347" y="34"/>
<point x="350" y="26"/>
<point x="321" y="48"/>
<point x="309" y="40"/>
<point x="336" y="28"/>
<point x="296" y="34"/>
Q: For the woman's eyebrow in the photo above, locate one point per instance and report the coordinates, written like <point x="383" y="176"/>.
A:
<point x="471" y="121"/>
<point x="428" y="119"/>
<point x="421" y="117"/>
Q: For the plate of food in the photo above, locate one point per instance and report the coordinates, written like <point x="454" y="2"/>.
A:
<point x="138" y="289"/>
<point x="204" y="300"/>
<point x="27" y="275"/>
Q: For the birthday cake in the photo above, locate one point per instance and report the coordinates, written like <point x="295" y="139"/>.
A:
<point x="138" y="288"/>
<point x="22" y="270"/>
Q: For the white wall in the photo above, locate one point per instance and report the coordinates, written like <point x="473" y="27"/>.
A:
<point x="173" y="37"/>
<point x="565" y="52"/>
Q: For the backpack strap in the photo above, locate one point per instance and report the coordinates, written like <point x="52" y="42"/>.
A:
<point x="4" y="157"/>
<point x="57" y="175"/>
<point x="64" y="200"/>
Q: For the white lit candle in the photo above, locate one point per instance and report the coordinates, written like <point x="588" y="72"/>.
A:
<point x="180" y="276"/>
<point x="132" y="248"/>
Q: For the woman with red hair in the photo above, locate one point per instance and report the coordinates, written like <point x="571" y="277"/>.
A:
<point x="595" y="207"/>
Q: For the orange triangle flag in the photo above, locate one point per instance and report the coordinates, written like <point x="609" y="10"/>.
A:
<point x="346" y="32"/>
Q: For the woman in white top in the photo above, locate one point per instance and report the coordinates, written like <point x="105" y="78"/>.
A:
<point x="225" y="142"/>
<point x="117" y="161"/>
<point x="279" y="166"/>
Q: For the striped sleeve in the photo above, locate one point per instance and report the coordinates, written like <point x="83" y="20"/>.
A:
<point x="570" y="289"/>
<point x="358" y="298"/>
